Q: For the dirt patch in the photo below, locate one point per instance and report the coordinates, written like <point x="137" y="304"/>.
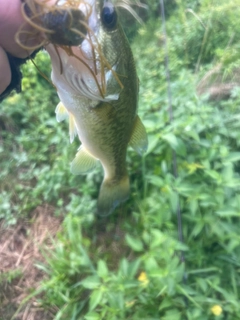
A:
<point x="20" y="250"/>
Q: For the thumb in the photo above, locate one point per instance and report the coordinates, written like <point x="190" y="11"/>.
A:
<point x="5" y="74"/>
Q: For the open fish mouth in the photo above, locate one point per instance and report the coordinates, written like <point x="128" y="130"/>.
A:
<point x="70" y="31"/>
<point x="63" y="24"/>
<point x="68" y="26"/>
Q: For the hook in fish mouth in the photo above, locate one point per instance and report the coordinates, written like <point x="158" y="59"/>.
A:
<point x="69" y="26"/>
<point x="66" y="26"/>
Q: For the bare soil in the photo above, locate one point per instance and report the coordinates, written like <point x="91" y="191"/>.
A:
<point x="20" y="250"/>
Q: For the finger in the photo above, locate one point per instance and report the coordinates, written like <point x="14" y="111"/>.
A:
<point x="5" y="71"/>
<point x="11" y="19"/>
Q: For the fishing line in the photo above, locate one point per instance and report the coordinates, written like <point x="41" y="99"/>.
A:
<point x="171" y="118"/>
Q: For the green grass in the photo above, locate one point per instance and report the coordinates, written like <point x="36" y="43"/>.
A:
<point x="128" y="266"/>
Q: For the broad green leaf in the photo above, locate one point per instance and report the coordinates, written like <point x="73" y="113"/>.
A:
<point x="91" y="316"/>
<point x="134" y="243"/>
<point x="174" y="200"/>
<point x="232" y="157"/>
<point x="91" y="282"/>
<point x="166" y="303"/>
<point x="228" y="213"/>
<point x="157" y="238"/>
<point x="151" y="263"/>
<point x="173" y="314"/>
<point x="124" y="265"/>
<point x="193" y="206"/>
<point x="153" y="141"/>
<point x="181" y="148"/>
<point x="171" y="139"/>
<point x="134" y="267"/>
<point x="102" y="268"/>
<point x="95" y="298"/>
<point x="214" y="174"/>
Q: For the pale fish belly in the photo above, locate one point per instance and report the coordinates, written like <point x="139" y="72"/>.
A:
<point x="92" y="127"/>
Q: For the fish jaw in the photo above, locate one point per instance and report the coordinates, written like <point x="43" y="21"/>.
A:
<point x="83" y="70"/>
<point x="76" y="76"/>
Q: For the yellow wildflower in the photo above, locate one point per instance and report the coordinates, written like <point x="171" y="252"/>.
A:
<point x="130" y="303"/>
<point x="192" y="167"/>
<point x="143" y="278"/>
<point x="216" y="310"/>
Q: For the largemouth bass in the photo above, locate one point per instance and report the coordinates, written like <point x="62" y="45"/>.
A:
<point x="97" y="84"/>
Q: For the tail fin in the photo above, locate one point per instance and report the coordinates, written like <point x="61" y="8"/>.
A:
<point x="111" y="194"/>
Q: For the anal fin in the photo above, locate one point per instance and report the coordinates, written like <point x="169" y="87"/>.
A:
<point x="139" y="139"/>
<point x="83" y="162"/>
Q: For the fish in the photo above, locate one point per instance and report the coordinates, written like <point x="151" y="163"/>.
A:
<point x="98" y="88"/>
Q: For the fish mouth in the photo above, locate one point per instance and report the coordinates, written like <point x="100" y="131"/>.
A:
<point x="68" y="27"/>
<point x="71" y="30"/>
<point x="74" y="72"/>
<point x="83" y="68"/>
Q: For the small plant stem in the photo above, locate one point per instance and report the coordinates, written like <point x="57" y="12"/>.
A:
<point x="171" y="117"/>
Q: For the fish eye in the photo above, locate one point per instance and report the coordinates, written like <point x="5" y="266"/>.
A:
<point x="109" y="16"/>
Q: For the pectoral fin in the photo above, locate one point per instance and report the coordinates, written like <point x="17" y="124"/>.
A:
<point x="139" y="140"/>
<point x="83" y="162"/>
<point x="61" y="112"/>
<point x="72" y="128"/>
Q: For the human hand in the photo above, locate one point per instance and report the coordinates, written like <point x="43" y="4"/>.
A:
<point x="11" y="19"/>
